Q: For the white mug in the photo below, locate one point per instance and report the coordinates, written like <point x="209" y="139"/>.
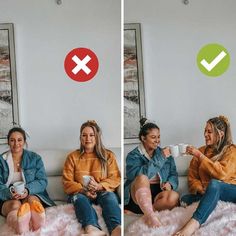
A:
<point x="174" y="150"/>
<point x="182" y="148"/>
<point x="86" y="180"/>
<point x="18" y="187"/>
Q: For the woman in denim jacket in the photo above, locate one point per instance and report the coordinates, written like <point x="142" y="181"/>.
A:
<point x="20" y="165"/>
<point x="151" y="176"/>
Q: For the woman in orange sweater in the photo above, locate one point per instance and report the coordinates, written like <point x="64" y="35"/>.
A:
<point x="93" y="160"/>
<point x="212" y="173"/>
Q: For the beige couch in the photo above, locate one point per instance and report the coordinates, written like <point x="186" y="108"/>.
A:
<point x="182" y="164"/>
<point x="53" y="162"/>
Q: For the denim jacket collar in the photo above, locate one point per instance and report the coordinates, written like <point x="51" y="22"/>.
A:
<point x="143" y="151"/>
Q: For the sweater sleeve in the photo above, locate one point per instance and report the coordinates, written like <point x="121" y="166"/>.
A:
<point x="68" y="180"/>
<point x="112" y="181"/>
<point x="136" y="165"/>
<point x="194" y="181"/>
<point x="222" y="169"/>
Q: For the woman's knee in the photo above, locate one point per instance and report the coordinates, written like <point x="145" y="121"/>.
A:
<point x="166" y="200"/>
<point x="10" y="205"/>
<point x="141" y="179"/>
<point x="173" y="199"/>
<point x="31" y="198"/>
<point x="80" y="197"/>
<point x="107" y="197"/>
<point x="14" y="204"/>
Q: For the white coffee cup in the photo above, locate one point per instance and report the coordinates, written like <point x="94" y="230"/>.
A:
<point x="18" y="187"/>
<point x="86" y="180"/>
<point x="174" y="150"/>
<point x="182" y="148"/>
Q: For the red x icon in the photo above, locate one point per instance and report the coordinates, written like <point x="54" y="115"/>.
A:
<point x="81" y="64"/>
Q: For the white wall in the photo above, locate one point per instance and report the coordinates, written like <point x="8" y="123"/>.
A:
<point x="178" y="96"/>
<point x="52" y="106"/>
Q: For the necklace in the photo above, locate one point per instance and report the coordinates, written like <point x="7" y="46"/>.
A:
<point x="17" y="165"/>
<point x="17" y="162"/>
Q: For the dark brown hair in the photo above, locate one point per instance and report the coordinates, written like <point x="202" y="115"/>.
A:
<point x="16" y="129"/>
<point x="146" y="126"/>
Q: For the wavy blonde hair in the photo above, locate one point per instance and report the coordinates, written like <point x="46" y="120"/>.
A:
<point x="220" y="124"/>
<point x="99" y="147"/>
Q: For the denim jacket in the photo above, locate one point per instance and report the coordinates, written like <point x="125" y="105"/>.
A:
<point x="138" y="164"/>
<point x="33" y="174"/>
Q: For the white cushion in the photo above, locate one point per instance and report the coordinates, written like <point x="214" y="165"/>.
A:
<point x="182" y="164"/>
<point x="53" y="160"/>
<point x="55" y="188"/>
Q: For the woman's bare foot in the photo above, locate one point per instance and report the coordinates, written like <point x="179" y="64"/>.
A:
<point x="93" y="231"/>
<point x="152" y="220"/>
<point x="116" y="231"/>
<point x="189" y="228"/>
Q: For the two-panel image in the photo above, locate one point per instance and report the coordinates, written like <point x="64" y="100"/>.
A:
<point x="117" y="118"/>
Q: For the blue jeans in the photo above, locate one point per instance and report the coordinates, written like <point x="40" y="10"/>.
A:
<point x="191" y="198"/>
<point x="86" y="214"/>
<point x="216" y="190"/>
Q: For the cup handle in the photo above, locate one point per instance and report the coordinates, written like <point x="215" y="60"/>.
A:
<point x="12" y="190"/>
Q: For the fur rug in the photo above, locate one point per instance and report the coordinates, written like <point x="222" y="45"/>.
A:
<point x="60" y="221"/>
<point x="222" y="222"/>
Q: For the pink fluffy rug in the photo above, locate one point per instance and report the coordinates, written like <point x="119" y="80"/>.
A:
<point x="222" y="222"/>
<point x="60" y="221"/>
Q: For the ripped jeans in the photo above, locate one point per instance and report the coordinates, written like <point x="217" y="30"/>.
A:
<point x="86" y="214"/>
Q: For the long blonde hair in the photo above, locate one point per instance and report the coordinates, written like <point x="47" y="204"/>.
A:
<point x="220" y="124"/>
<point x="99" y="147"/>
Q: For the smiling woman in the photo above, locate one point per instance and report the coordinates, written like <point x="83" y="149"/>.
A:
<point x="91" y="175"/>
<point x="211" y="173"/>
<point x="88" y="140"/>
<point x="151" y="176"/>
<point x="25" y="209"/>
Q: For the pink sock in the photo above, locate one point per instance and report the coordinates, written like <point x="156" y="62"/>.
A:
<point x="12" y="219"/>
<point x="144" y="199"/>
<point x="37" y="215"/>
<point x="23" y="218"/>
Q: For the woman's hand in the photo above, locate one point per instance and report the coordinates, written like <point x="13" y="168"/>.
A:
<point x="194" y="151"/>
<point x="90" y="194"/>
<point x="166" y="186"/>
<point x="17" y="196"/>
<point x="201" y="190"/>
<point x="94" y="186"/>
<point x="166" y="152"/>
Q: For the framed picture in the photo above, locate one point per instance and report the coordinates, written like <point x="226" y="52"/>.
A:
<point x="134" y="103"/>
<point x="8" y="86"/>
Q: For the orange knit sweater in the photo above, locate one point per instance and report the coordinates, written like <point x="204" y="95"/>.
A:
<point x="77" y="165"/>
<point x="202" y="171"/>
